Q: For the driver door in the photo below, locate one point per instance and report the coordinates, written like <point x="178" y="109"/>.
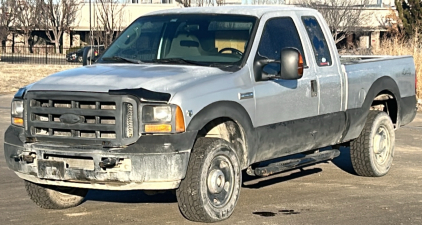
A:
<point x="284" y="108"/>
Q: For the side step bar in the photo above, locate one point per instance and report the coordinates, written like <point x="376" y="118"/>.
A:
<point x="296" y="163"/>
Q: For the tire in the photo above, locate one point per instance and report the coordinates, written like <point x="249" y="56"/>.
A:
<point x="201" y="195"/>
<point x="373" y="151"/>
<point x="80" y="59"/>
<point x="55" y="197"/>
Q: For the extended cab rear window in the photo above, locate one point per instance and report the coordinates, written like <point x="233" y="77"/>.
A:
<point x="319" y="43"/>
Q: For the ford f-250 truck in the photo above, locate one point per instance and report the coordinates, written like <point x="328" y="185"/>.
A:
<point x="187" y="99"/>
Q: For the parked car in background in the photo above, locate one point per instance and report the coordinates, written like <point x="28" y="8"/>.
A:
<point x="78" y="55"/>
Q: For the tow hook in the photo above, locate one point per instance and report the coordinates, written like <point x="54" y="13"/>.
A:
<point x="108" y="163"/>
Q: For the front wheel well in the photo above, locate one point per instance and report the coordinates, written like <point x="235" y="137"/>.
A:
<point x="230" y="131"/>
<point x="387" y="102"/>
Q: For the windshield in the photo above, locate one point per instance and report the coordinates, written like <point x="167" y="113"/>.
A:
<point x="200" y="39"/>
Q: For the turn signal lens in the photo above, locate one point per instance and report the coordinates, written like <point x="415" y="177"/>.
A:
<point x="17" y="111"/>
<point x="180" y="121"/>
<point x="300" y="65"/>
<point x="17" y="121"/>
<point x="416" y="82"/>
<point x="155" y="128"/>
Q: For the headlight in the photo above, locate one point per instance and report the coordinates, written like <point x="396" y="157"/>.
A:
<point x="17" y="113"/>
<point x="162" y="119"/>
<point x="151" y="114"/>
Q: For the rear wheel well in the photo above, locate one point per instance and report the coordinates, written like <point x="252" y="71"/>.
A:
<point x="229" y="130"/>
<point x="386" y="101"/>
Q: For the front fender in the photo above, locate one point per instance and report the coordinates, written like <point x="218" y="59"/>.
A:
<point x="233" y="111"/>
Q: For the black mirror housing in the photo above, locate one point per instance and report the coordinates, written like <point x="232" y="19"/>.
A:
<point x="291" y="64"/>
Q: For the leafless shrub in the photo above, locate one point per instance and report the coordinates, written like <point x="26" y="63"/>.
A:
<point x="400" y="46"/>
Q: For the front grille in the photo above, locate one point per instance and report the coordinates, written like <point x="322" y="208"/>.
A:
<point x="80" y="116"/>
<point x="52" y="114"/>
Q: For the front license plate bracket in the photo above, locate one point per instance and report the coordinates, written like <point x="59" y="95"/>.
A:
<point x="50" y="169"/>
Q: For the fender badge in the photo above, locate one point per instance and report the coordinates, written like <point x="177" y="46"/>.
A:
<point x="246" y="95"/>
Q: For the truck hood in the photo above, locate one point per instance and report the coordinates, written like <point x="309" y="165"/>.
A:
<point x="102" y="78"/>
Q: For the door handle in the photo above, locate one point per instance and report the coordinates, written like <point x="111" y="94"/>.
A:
<point x="314" y="88"/>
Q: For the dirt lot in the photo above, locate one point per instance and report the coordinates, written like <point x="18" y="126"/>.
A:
<point x="15" y="76"/>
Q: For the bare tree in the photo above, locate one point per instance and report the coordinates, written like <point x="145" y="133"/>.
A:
<point x="7" y="18"/>
<point x="343" y="16"/>
<point x="109" y="19"/>
<point x="58" y="16"/>
<point x="26" y="18"/>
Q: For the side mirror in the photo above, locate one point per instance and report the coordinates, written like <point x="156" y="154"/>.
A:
<point x="291" y="64"/>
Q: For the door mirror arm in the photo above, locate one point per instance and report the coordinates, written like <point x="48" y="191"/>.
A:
<point x="291" y="65"/>
<point x="259" y="64"/>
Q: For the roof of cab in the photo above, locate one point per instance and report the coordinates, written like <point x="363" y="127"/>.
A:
<point x="248" y="10"/>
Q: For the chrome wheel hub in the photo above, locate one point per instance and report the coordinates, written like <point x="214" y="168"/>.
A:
<point x="220" y="180"/>
<point x="216" y="181"/>
<point x="382" y="144"/>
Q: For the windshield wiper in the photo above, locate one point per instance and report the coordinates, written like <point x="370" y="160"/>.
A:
<point x="119" y="58"/>
<point x="178" y="61"/>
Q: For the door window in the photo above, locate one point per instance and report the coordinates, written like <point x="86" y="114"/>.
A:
<point x="319" y="44"/>
<point x="279" y="33"/>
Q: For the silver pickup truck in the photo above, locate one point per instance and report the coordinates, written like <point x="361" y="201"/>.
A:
<point x="187" y="99"/>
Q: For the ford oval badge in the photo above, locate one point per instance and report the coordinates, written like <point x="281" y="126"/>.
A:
<point x="71" y="118"/>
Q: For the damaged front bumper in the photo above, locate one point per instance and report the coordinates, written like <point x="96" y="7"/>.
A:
<point x="152" y="163"/>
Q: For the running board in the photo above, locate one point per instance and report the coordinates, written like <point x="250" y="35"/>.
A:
<point x="296" y="163"/>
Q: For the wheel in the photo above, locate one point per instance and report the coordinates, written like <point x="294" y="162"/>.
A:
<point x="211" y="187"/>
<point x="373" y="151"/>
<point x="233" y="50"/>
<point x="80" y="58"/>
<point x="55" y="197"/>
